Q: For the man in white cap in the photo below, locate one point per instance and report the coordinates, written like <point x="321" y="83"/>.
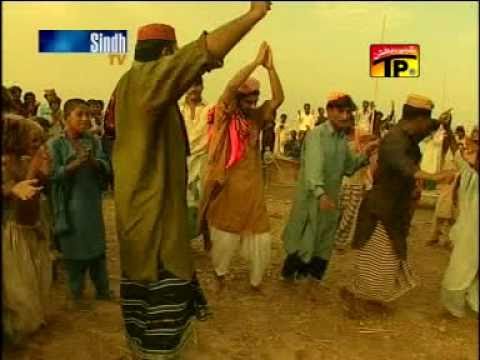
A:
<point x="233" y="206"/>
<point x="381" y="272"/>
<point x="326" y="158"/>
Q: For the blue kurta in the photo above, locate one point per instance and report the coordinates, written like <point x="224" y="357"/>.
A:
<point x="326" y="159"/>
<point x="77" y="200"/>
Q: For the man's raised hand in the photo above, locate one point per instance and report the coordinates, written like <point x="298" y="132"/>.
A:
<point x="260" y="8"/>
<point x="262" y="54"/>
<point x="268" y="60"/>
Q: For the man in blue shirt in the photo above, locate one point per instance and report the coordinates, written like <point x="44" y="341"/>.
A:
<point x="309" y="236"/>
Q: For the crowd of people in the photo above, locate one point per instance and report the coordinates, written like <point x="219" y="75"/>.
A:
<point x="183" y="170"/>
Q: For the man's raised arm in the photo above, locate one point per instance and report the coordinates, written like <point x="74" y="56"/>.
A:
<point x="242" y="76"/>
<point x="223" y="39"/>
<point x="276" y="86"/>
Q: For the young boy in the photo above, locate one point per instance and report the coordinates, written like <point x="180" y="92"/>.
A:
<point x="79" y="166"/>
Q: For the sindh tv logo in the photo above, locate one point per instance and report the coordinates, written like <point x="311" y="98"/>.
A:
<point x="394" y="60"/>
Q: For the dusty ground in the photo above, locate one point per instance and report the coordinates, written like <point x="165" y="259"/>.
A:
<point x="288" y="322"/>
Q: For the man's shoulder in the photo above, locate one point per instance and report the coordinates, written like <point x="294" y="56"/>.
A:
<point x="322" y="129"/>
<point x="124" y="80"/>
<point x="395" y="137"/>
<point x="396" y="133"/>
<point x="315" y="134"/>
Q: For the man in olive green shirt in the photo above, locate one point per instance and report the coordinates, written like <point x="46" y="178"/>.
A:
<point x="149" y="162"/>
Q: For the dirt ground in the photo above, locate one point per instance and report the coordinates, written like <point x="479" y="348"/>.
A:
<point x="302" y="321"/>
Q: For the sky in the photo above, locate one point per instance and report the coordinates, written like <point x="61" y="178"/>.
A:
<point x="317" y="47"/>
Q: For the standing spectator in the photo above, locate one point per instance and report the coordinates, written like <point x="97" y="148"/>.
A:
<point x="56" y="117"/>
<point x="321" y="118"/>
<point x="305" y="118"/>
<point x="16" y="93"/>
<point x="8" y="107"/>
<point x="44" y="109"/>
<point x="474" y="133"/>
<point x="281" y="135"/>
<point x="362" y="119"/>
<point x="268" y="136"/>
<point x="194" y="112"/>
<point x="460" y="136"/>
<point x="44" y="123"/>
<point x="30" y="104"/>
<point x="301" y="137"/>
<point x="292" y="147"/>
<point x="25" y="237"/>
<point x="432" y="157"/>
<point x="445" y="209"/>
<point x="97" y="126"/>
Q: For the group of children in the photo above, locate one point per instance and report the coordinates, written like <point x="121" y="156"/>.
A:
<point x="52" y="193"/>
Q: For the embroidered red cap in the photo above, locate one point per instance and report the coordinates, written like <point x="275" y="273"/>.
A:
<point x="156" y="32"/>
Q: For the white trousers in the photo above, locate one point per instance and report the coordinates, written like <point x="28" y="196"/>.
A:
<point x="255" y="248"/>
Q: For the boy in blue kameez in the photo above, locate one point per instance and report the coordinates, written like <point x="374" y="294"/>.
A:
<point x="79" y="170"/>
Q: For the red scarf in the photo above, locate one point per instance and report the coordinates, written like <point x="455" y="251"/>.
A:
<point x="238" y="133"/>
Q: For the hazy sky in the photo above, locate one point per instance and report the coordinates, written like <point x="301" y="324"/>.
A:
<point x="317" y="47"/>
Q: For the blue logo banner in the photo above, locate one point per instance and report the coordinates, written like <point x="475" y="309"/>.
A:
<point x="83" y="41"/>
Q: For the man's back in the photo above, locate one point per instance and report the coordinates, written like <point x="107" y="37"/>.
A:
<point x="149" y="160"/>
<point x="398" y="158"/>
<point x="149" y="168"/>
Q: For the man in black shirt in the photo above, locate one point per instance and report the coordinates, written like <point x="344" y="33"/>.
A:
<point x="382" y="273"/>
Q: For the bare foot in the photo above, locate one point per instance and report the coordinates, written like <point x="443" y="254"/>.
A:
<point x="432" y="242"/>
<point x="346" y="295"/>
<point x="449" y="245"/>
<point x="257" y="289"/>
<point x="353" y="307"/>
<point x="377" y="307"/>
<point x="447" y="315"/>
<point x="83" y="306"/>
<point x="220" y="283"/>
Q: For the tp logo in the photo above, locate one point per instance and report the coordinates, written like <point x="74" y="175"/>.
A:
<point x="394" y="60"/>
